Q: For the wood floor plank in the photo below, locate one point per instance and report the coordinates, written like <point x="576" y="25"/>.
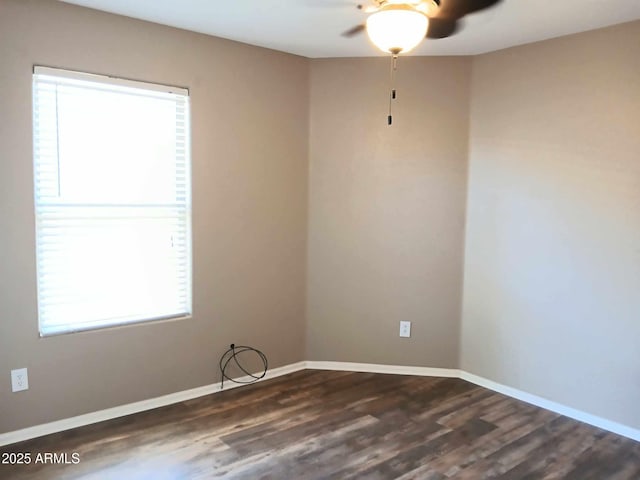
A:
<point x="338" y="425"/>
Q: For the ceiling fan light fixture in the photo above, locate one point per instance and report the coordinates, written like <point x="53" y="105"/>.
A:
<point x="397" y="28"/>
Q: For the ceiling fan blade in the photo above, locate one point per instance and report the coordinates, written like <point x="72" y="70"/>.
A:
<point x="475" y="5"/>
<point x="442" y="27"/>
<point x="460" y="8"/>
<point x="354" y="31"/>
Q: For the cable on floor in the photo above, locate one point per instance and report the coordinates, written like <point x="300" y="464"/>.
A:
<point x="232" y="354"/>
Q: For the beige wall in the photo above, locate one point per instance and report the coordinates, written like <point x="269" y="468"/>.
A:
<point x="386" y="210"/>
<point x="552" y="272"/>
<point x="250" y="124"/>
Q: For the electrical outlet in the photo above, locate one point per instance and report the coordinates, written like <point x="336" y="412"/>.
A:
<point x="405" y="329"/>
<point x="19" y="380"/>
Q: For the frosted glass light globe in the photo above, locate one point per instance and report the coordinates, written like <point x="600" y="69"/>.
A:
<point x="397" y="28"/>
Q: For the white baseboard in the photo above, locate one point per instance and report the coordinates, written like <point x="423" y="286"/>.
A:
<point x="378" y="368"/>
<point x="136" y="407"/>
<point x="115" y="412"/>
<point x="579" y="415"/>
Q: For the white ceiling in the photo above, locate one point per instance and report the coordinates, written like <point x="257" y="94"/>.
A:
<point x="312" y="28"/>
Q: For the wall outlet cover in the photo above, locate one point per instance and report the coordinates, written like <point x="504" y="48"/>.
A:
<point x="405" y="329"/>
<point x="19" y="380"/>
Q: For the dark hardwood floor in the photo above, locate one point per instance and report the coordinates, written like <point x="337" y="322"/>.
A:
<point x="338" y="425"/>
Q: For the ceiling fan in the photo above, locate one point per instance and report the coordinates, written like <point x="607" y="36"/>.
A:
<point x="397" y="26"/>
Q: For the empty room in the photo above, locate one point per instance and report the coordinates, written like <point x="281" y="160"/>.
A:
<point x="318" y="239"/>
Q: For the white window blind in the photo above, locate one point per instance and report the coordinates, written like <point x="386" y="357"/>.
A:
<point x="112" y="201"/>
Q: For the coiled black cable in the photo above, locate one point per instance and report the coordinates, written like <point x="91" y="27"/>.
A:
<point x="232" y="354"/>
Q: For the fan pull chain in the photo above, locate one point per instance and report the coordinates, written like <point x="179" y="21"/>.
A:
<point x="392" y="94"/>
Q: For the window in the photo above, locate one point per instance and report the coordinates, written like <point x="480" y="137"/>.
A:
<point x="112" y="201"/>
